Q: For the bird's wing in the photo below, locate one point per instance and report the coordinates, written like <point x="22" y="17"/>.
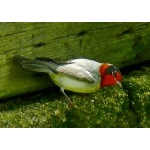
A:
<point x="71" y="69"/>
<point x="77" y="72"/>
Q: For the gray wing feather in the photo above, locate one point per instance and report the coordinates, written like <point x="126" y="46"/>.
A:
<point x="71" y="69"/>
<point x="77" y="72"/>
<point x="39" y="66"/>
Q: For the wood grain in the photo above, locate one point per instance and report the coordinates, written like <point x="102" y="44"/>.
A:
<point x="121" y="44"/>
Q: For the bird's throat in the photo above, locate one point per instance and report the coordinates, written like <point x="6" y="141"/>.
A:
<point x="108" y="80"/>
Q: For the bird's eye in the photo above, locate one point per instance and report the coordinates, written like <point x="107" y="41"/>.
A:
<point x="114" y="73"/>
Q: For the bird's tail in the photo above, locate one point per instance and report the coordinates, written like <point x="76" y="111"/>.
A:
<point x="38" y="65"/>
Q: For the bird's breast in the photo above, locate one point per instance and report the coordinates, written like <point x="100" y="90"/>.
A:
<point x="74" y="85"/>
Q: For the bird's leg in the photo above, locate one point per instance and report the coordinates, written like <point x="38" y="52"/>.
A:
<point x="68" y="99"/>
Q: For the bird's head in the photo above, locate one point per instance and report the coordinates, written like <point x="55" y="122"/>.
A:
<point x="110" y="75"/>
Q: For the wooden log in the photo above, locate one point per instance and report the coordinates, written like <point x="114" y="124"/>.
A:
<point x="121" y="44"/>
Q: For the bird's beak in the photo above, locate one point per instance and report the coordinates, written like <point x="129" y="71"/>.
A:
<point x="119" y="83"/>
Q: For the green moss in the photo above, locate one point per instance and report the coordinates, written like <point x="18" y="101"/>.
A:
<point x="32" y="113"/>
<point x="137" y="85"/>
<point x="109" y="107"/>
<point x="127" y="119"/>
<point x="100" y="109"/>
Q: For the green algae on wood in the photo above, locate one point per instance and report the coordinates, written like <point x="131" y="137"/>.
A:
<point x="121" y="44"/>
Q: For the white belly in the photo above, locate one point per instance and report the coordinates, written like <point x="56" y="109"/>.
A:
<point x="74" y="85"/>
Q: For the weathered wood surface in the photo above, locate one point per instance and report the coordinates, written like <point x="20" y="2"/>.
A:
<point x="122" y="44"/>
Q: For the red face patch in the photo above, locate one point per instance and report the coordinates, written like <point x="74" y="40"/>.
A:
<point x="108" y="80"/>
<point x="109" y="75"/>
<point x="103" y="69"/>
<point x="118" y="76"/>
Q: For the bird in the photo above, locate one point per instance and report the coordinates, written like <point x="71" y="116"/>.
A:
<point x="77" y="75"/>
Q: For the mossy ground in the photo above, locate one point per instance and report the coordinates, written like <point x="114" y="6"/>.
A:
<point x="137" y="85"/>
<point x="109" y="107"/>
